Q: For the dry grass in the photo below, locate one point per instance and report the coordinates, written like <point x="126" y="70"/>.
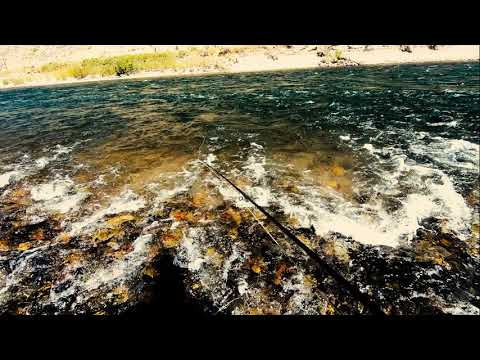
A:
<point x="111" y="66"/>
<point x="191" y="58"/>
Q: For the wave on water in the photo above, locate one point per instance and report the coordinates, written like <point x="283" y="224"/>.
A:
<point x="128" y="201"/>
<point x="449" y="153"/>
<point x="25" y="167"/>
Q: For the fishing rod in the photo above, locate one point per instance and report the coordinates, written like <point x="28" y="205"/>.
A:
<point x="354" y="291"/>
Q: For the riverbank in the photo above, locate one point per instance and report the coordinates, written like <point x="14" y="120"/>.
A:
<point x="22" y="66"/>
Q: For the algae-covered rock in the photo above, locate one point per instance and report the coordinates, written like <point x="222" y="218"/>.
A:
<point x="172" y="238"/>
<point x="234" y="215"/>
<point x="4" y="246"/>
<point x="337" y="249"/>
<point x="25" y="246"/>
<point x="257" y="265"/>
<point x="183" y="215"/>
<point x="120" y="219"/>
<point x="103" y="235"/>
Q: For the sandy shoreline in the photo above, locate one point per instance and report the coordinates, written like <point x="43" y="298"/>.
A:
<point x="296" y="58"/>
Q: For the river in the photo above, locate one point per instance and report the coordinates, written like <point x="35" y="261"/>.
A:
<point x="375" y="168"/>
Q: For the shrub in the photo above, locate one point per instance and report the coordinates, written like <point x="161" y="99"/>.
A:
<point x="335" y="56"/>
<point x="124" y="67"/>
<point x="129" y="64"/>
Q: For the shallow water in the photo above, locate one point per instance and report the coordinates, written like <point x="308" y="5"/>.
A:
<point x="372" y="166"/>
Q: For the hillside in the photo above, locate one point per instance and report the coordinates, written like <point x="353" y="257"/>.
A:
<point x="22" y="65"/>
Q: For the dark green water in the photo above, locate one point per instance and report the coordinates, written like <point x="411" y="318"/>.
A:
<point x="374" y="159"/>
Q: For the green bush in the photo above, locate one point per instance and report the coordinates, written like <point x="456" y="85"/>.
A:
<point x="124" y="67"/>
<point x="116" y="65"/>
<point x="133" y="63"/>
<point x="335" y="56"/>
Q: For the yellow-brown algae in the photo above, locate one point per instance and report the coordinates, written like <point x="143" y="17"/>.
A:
<point x="196" y="286"/>
<point x="119" y="254"/>
<point x="64" y="237"/>
<point x="309" y="281"/>
<point x="119" y="220"/>
<point x="234" y="215"/>
<point x="74" y="258"/>
<point x="138" y="168"/>
<point x="338" y="170"/>
<point x="37" y="235"/>
<point x="293" y="221"/>
<point x="25" y="246"/>
<point x="280" y="271"/>
<point x="102" y="235"/>
<point x="330" y="310"/>
<point x="4" y="245"/>
<point x="336" y="249"/>
<point x="21" y="311"/>
<point x="434" y="254"/>
<point x="20" y="197"/>
<point x="199" y="199"/>
<point x="233" y="233"/>
<point x="257" y="265"/>
<point x="305" y="240"/>
<point x="206" y="198"/>
<point x="121" y="294"/>
<point x="172" y="238"/>
<point x="214" y="257"/>
<point x="299" y="161"/>
<point x="153" y="250"/>
<point x="150" y="271"/>
<point x="182" y="215"/>
<point x="242" y="182"/>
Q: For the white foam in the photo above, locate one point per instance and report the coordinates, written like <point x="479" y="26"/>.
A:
<point x="42" y="162"/>
<point x="120" y="269"/>
<point x="371" y="223"/>
<point x="242" y="287"/>
<point x="302" y="299"/>
<point x="49" y="191"/>
<point x="21" y="171"/>
<point x="10" y="177"/>
<point x="369" y="148"/>
<point x="255" y="167"/>
<point x="255" y="163"/>
<point x="100" y="180"/>
<point x="189" y="254"/>
<point x="58" y="150"/>
<point x="344" y="137"/>
<point x="210" y="159"/>
<point x="128" y="201"/>
<point x="108" y="276"/>
<point x="60" y="195"/>
<point x="460" y="154"/>
<point x="453" y="123"/>
<point x="462" y="308"/>
<point x="257" y="146"/>
<point x="165" y="194"/>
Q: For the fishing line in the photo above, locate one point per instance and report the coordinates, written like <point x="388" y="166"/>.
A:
<point x="354" y="291"/>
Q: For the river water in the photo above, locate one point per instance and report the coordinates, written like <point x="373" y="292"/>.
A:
<point x="375" y="168"/>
